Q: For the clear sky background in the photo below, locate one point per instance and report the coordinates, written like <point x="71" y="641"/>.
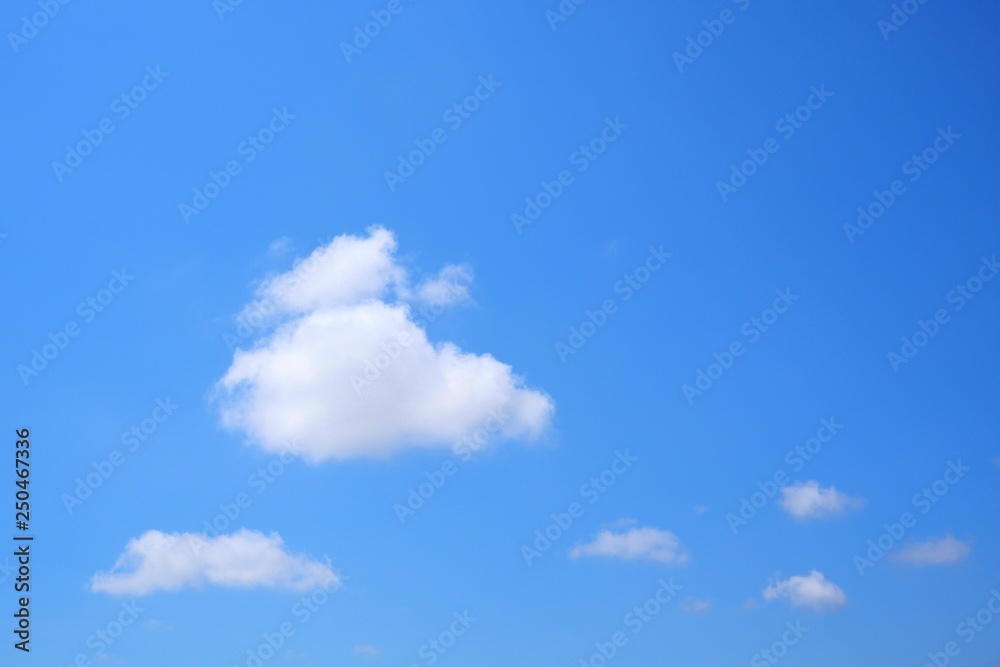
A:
<point x="556" y="86"/>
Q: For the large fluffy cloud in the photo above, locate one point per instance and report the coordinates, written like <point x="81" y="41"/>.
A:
<point x="812" y="591"/>
<point x="808" y="500"/>
<point x="643" y="543"/>
<point x="347" y="370"/>
<point x="157" y="561"/>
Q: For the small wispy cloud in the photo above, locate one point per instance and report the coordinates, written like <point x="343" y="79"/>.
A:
<point x="367" y="650"/>
<point x="696" y="606"/>
<point x="809" y="500"/>
<point x="642" y="543"/>
<point x="941" y="551"/>
<point x="156" y="624"/>
<point x="450" y="286"/>
<point x="812" y="591"/>
<point x="279" y="247"/>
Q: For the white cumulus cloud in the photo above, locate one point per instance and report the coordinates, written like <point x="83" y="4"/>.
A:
<point x="157" y="561"/>
<point x="812" y="591"/>
<point x="941" y="551"/>
<point x="642" y="543"/>
<point x="808" y="500"/>
<point x="347" y="370"/>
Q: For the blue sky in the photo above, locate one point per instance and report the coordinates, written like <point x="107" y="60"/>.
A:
<point x="247" y="141"/>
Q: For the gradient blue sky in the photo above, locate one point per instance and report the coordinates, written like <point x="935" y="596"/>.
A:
<point x="323" y="176"/>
